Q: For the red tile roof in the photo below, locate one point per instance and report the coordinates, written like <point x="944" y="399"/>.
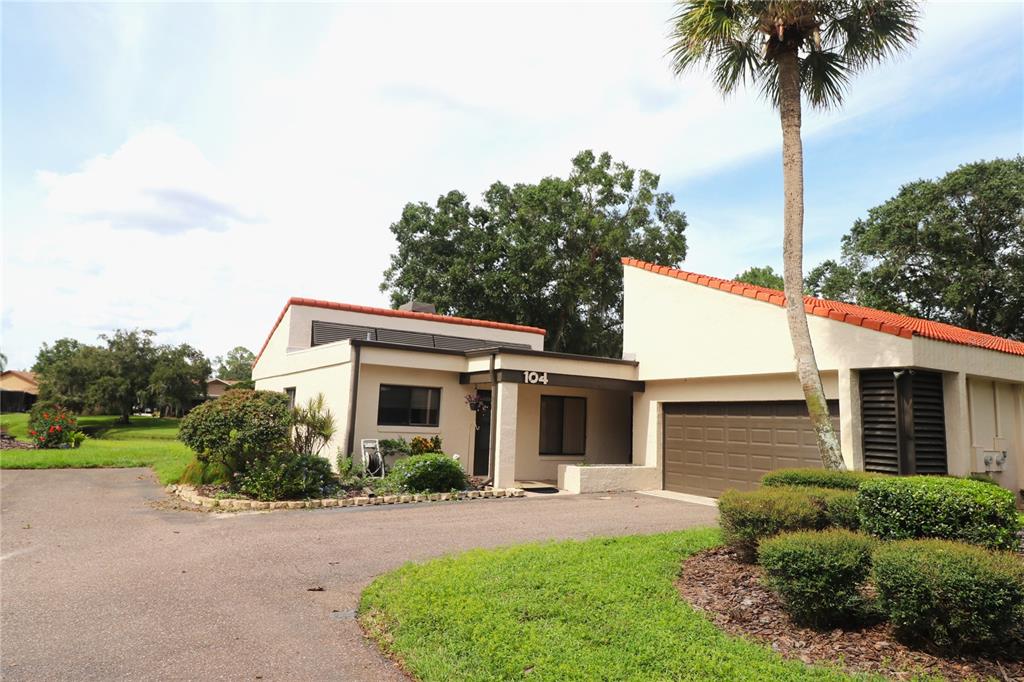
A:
<point x="389" y="312"/>
<point x="871" y="318"/>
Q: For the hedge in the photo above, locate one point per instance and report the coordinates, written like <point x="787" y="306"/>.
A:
<point x="819" y="576"/>
<point x="950" y="595"/>
<point x="939" y="507"/>
<point x="818" y="478"/>
<point x="747" y="518"/>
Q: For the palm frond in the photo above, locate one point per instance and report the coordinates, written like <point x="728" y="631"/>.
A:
<point x="823" y="78"/>
<point x="702" y="27"/>
<point x="735" y="63"/>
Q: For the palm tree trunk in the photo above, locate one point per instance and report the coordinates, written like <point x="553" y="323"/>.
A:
<point x="793" y="256"/>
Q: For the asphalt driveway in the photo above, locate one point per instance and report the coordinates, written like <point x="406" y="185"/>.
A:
<point x="96" y="583"/>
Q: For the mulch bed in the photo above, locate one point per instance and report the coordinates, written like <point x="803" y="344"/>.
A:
<point x="732" y="596"/>
<point x="9" y="442"/>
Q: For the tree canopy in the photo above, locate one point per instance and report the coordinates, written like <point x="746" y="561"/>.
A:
<point x="545" y="254"/>
<point x="761" y="277"/>
<point x="236" y="365"/>
<point x="950" y="250"/>
<point x="127" y="370"/>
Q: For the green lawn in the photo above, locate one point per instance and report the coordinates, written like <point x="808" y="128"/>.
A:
<point x="144" y="442"/>
<point x="600" y="609"/>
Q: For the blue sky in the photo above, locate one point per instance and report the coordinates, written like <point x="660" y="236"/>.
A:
<point x="188" y="167"/>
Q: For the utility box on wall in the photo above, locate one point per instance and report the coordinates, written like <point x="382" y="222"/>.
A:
<point x="989" y="461"/>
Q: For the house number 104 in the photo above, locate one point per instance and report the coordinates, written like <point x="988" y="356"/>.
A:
<point x="535" y="377"/>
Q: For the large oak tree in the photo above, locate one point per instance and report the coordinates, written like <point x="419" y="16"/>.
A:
<point x="545" y="254"/>
<point x="950" y="250"/>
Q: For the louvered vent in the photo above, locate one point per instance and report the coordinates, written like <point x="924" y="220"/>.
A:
<point x="929" y="423"/>
<point x="331" y="332"/>
<point x="879" y="422"/>
<point x="903" y="421"/>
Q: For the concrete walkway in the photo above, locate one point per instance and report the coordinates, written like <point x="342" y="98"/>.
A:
<point x="96" y="583"/>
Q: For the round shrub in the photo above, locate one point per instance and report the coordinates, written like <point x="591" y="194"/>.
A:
<point x="287" y="476"/>
<point x="939" y="507"/>
<point x="51" y="426"/>
<point x="817" y="478"/>
<point x="433" y="472"/>
<point x="238" y="427"/>
<point x="819" y="575"/>
<point x="950" y="595"/>
<point x="749" y="517"/>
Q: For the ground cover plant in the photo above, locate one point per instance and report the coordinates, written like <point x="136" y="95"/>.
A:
<point x="605" y="608"/>
<point x="144" y="442"/>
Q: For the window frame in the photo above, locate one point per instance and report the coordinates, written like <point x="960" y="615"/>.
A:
<point x="409" y="408"/>
<point x="561" y="440"/>
<point x="290" y="392"/>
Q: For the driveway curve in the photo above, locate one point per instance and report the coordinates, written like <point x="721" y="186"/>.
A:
<point x="98" y="583"/>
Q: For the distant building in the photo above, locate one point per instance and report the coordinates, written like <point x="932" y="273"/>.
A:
<point x="215" y="387"/>
<point x="18" y="390"/>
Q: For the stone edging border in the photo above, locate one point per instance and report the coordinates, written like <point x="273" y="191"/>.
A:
<point x="189" y="494"/>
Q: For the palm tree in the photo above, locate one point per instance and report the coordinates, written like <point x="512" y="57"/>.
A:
<point x="788" y="50"/>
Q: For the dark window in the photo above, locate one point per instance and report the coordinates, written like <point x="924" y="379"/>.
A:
<point x="903" y="421"/>
<point x="290" y="392"/>
<point x="408" y="406"/>
<point x="563" y="425"/>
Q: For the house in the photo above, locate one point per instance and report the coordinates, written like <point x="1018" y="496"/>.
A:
<point x="705" y="397"/>
<point x="215" y="387"/>
<point x="18" y="390"/>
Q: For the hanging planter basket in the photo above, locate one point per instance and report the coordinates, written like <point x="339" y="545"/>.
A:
<point x="477" y="403"/>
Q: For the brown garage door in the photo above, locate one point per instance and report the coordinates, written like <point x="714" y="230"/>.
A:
<point x="710" y="447"/>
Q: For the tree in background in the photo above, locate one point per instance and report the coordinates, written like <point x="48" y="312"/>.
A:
<point x="3" y="362"/>
<point x="950" y="250"/>
<point x="127" y="371"/>
<point x="236" y="365"/>
<point x="761" y="277"/>
<point x="178" y="380"/>
<point x="793" y="49"/>
<point x="545" y="254"/>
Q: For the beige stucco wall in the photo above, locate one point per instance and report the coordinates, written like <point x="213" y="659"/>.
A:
<point x="608" y="434"/>
<point x="680" y="329"/>
<point x="333" y="381"/>
<point x="996" y="415"/>
<point x="457" y="423"/>
<point x="607" y="478"/>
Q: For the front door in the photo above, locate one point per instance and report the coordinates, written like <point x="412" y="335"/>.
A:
<point x="482" y="442"/>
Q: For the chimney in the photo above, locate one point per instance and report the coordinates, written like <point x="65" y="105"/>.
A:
<point x="418" y="307"/>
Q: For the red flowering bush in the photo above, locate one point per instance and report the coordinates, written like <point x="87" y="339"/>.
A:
<point x="51" y="426"/>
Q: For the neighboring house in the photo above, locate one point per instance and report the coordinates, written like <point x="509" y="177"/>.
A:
<point x="18" y="390"/>
<point x="215" y="387"/>
<point x="705" y="400"/>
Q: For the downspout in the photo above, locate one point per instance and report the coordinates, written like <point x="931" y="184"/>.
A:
<point x="353" y="399"/>
<point x="494" y="422"/>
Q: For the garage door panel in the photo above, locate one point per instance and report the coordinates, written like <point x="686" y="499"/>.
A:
<point x="732" y="445"/>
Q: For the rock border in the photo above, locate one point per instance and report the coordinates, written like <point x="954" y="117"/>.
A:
<point x="189" y="494"/>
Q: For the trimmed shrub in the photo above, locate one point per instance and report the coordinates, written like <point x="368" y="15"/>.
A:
<point x="819" y="575"/>
<point x="51" y="426"/>
<point x="951" y="595"/>
<point x="198" y="472"/>
<point x="818" y="478"/>
<point x="287" y="476"/>
<point x="939" y="507"/>
<point x="433" y="472"/>
<point x="839" y="506"/>
<point x="747" y="518"/>
<point x="239" y="427"/>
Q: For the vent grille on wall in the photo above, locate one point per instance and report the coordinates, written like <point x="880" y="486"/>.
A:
<point x="332" y="332"/>
<point x="903" y="421"/>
